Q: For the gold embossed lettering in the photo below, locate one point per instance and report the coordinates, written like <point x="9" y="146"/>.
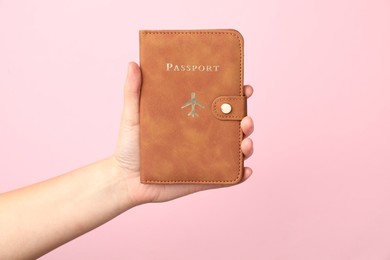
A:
<point x="192" y="67"/>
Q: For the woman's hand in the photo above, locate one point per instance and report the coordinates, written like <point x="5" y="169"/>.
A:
<point x="127" y="158"/>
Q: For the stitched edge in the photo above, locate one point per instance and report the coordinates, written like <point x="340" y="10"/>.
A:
<point x="240" y="134"/>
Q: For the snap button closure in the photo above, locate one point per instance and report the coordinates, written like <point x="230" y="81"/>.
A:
<point x="226" y="108"/>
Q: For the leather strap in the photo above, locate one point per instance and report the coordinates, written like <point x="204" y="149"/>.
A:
<point x="236" y="105"/>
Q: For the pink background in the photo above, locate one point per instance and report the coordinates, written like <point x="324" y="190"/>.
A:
<point x="321" y="73"/>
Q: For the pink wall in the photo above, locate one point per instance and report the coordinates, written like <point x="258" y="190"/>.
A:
<point x="321" y="73"/>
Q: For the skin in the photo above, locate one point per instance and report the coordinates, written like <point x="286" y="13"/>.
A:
<point x="39" y="218"/>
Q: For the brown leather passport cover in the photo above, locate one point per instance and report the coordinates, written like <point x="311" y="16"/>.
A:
<point x="191" y="105"/>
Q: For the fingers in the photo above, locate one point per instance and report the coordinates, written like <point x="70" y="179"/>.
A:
<point x="247" y="126"/>
<point x="248" y="91"/>
<point x="131" y="94"/>
<point x="247" y="147"/>
<point x="247" y="173"/>
<point x="247" y="122"/>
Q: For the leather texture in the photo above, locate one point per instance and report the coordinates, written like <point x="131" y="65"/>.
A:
<point x="186" y="77"/>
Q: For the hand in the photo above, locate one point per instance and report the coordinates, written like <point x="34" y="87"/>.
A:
<point x="127" y="154"/>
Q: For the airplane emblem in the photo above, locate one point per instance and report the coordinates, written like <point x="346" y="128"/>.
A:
<point x="192" y="102"/>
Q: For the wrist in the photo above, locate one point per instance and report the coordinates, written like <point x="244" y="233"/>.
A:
<point x="127" y="184"/>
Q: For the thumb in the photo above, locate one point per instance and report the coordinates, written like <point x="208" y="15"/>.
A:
<point x="131" y="95"/>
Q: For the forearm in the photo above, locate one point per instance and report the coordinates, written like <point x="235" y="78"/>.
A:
<point x="36" y="219"/>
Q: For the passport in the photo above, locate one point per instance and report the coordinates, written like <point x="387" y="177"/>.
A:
<point x="191" y="104"/>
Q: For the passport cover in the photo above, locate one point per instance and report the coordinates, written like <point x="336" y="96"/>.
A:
<point x="191" y="105"/>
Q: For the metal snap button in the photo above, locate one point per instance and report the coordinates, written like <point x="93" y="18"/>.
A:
<point x="226" y="108"/>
